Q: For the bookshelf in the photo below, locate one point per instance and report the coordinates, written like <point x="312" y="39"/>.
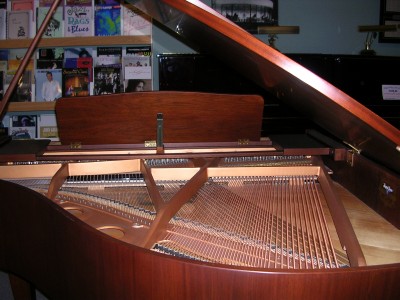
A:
<point x="30" y="106"/>
<point x="140" y="38"/>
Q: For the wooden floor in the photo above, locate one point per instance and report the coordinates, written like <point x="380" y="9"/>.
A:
<point x="379" y="240"/>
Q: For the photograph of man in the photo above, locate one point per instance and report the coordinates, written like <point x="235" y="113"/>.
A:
<point x="51" y="88"/>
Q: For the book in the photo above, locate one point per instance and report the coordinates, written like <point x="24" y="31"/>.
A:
<point x="107" y="80"/>
<point x="135" y="22"/>
<point x="23" y="126"/>
<point x="107" y="20"/>
<point x="55" y="27"/>
<point x="19" y="24"/>
<point x="75" y="82"/>
<point x="47" y="84"/>
<point x="78" y="20"/>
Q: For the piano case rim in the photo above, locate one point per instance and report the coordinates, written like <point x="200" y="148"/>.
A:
<point x="150" y="277"/>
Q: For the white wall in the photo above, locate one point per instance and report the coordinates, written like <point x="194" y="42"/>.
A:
<point x="330" y="26"/>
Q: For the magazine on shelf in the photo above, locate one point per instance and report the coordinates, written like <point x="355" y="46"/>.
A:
<point x="22" y="5"/>
<point x="1" y="85"/>
<point x="23" y="126"/>
<point x="107" y="20"/>
<point x="106" y="2"/>
<point x="48" y="84"/>
<point x="78" y="20"/>
<point x="4" y="54"/>
<point x="75" y="82"/>
<point x="50" y="53"/>
<point x="135" y="22"/>
<point x="78" y="52"/>
<point x="50" y="58"/>
<point x="19" y="24"/>
<point x="137" y="85"/>
<point x="108" y="56"/>
<point x="45" y="3"/>
<point x="109" y="51"/>
<point x="107" y="80"/>
<point x="3" y="24"/>
<point x="138" y="50"/>
<point x="13" y="64"/>
<point x="137" y="72"/>
<point x="17" y="54"/>
<point x="80" y="62"/>
<point x="3" y="67"/>
<point x="136" y="61"/>
<point x="47" y="127"/>
<point x="107" y="61"/>
<point x="55" y="27"/>
<point x="49" y="63"/>
<point x="79" y="2"/>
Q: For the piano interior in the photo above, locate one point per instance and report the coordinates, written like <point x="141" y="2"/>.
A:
<point x="189" y="200"/>
<point x="259" y="212"/>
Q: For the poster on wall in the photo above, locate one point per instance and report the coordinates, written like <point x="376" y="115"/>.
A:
<point x="248" y="14"/>
<point x="390" y="15"/>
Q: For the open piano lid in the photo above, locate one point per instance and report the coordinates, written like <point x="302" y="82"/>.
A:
<point x="291" y="83"/>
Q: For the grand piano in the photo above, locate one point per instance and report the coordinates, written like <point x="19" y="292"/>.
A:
<point x="176" y="195"/>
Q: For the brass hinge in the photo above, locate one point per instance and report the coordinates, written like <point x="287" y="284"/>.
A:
<point x="242" y="142"/>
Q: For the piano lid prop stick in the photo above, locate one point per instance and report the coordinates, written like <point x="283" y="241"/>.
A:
<point x="159" y="138"/>
<point x="27" y="57"/>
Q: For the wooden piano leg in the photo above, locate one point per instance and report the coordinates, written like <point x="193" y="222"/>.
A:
<point x="21" y="289"/>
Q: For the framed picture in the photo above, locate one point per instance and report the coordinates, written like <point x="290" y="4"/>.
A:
<point x="390" y="15"/>
<point x="248" y="14"/>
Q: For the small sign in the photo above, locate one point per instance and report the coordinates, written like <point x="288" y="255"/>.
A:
<point x="391" y="92"/>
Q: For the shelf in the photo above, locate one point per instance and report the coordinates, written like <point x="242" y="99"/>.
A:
<point x="31" y="106"/>
<point x="78" y="41"/>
